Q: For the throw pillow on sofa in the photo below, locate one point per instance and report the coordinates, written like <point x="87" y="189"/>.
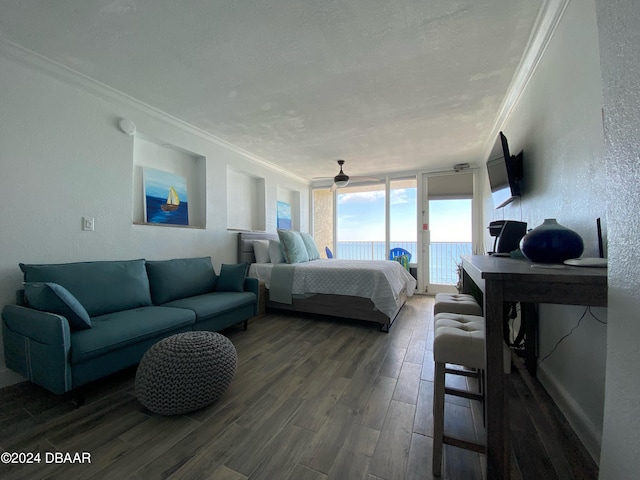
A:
<point x="180" y="278"/>
<point x="54" y="298"/>
<point x="231" y="278"/>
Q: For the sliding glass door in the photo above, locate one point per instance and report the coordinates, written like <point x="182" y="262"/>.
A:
<point x="360" y="222"/>
<point x="369" y="219"/>
<point x="431" y="220"/>
<point x="403" y="219"/>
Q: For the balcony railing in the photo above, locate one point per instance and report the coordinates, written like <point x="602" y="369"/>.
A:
<point x="444" y="256"/>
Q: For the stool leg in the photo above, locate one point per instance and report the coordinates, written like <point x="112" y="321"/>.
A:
<point x="438" y="417"/>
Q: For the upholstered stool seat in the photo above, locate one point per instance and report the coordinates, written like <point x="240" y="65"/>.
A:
<point x="461" y="303"/>
<point x="185" y="372"/>
<point x="459" y="340"/>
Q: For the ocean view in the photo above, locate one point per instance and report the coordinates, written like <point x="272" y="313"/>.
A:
<point x="444" y="256"/>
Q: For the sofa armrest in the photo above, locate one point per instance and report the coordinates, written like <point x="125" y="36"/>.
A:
<point x="37" y="346"/>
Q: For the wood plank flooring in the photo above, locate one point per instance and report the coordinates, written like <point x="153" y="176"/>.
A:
<point x="312" y="399"/>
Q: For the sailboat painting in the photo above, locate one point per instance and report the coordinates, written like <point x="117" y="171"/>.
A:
<point x="165" y="196"/>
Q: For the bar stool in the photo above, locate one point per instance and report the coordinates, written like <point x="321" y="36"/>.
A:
<point x="459" y="340"/>
<point x="461" y="303"/>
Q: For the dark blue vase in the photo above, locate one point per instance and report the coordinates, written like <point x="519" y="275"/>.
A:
<point x="551" y="243"/>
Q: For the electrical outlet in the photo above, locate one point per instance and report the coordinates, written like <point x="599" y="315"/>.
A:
<point x="88" y="224"/>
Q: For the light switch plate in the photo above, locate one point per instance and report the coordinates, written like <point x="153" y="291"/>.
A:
<point x="88" y="223"/>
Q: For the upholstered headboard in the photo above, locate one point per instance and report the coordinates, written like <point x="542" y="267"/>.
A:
<point x="245" y="244"/>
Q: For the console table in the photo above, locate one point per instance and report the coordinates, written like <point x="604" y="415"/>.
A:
<point x="516" y="280"/>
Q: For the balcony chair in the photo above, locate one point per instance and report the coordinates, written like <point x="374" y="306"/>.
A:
<point x="397" y="252"/>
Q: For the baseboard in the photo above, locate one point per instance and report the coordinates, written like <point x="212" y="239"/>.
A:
<point x="587" y="432"/>
<point x="8" y="377"/>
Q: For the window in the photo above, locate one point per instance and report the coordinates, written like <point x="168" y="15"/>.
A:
<point x="360" y="219"/>
<point x="403" y="207"/>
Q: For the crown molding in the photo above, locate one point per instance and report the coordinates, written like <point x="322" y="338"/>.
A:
<point x="545" y="26"/>
<point x="62" y="73"/>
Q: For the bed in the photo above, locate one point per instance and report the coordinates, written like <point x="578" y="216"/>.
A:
<point x="367" y="290"/>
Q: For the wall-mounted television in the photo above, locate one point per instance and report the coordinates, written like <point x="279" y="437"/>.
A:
<point x="505" y="173"/>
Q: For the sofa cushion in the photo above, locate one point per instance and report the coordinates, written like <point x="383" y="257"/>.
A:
<point x="211" y="304"/>
<point x="310" y="244"/>
<point x="117" y="330"/>
<point x="293" y="247"/>
<point x="232" y="277"/>
<point x="54" y="298"/>
<point x="180" y="278"/>
<point x="101" y="287"/>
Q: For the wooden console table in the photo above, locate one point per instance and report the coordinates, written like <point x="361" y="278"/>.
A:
<point x="515" y="280"/>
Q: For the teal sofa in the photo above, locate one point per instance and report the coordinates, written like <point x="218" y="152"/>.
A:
<point x="80" y="322"/>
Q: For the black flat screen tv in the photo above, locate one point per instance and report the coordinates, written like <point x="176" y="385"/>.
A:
<point x="505" y="173"/>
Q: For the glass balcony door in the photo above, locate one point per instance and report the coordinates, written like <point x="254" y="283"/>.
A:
<point x="369" y="219"/>
<point x="447" y="228"/>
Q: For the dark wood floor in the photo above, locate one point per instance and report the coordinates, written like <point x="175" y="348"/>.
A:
<point x="312" y="399"/>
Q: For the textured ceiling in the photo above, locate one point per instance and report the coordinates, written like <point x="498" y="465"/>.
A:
<point x="388" y="85"/>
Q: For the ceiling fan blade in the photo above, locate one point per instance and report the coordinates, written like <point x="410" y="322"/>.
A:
<point x="363" y="179"/>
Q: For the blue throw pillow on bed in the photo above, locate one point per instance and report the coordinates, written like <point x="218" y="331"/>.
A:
<point x="231" y="278"/>
<point x="293" y="247"/>
<point x="54" y="298"/>
<point x="310" y="244"/>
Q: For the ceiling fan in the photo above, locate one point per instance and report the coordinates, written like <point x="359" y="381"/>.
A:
<point x="342" y="179"/>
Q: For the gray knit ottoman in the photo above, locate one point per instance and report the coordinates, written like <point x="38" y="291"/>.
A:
<point x="185" y="372"/>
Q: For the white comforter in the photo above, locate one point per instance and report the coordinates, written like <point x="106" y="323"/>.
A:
<point x="380" y="280"/>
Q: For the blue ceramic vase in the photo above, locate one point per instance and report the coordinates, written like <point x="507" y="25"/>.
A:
<point x="551" y="243"/>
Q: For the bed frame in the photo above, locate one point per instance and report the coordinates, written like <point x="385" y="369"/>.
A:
<point x="342" y="306"/>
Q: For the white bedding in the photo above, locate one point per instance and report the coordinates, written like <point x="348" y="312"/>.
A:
<point x="380" y="280"/>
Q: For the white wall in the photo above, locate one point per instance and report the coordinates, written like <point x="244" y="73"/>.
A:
<point x="63" y="157"/>
<point x="620" y="62"/>
<point x="557" y="122"/>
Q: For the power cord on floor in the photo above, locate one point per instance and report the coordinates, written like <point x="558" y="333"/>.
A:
<point x="588" y="309"/>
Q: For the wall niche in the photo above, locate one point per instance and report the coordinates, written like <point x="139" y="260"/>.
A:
<point x="245" y="201"/>
<point x="291" y="197"/>
<point x="169" y="185"/>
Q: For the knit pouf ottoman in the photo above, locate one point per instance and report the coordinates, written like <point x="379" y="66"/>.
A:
<point x="185" y="372"/>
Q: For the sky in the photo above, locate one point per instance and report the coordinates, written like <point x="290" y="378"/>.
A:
<point x="361" y="217"/>
<point x="157" y="183"/>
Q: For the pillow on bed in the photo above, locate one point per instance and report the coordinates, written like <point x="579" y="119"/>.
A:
<point x="310" y="244"/>
<point x="275" y="252"/>
<point x="293" y="246"/>
<point x="261" y="251"/>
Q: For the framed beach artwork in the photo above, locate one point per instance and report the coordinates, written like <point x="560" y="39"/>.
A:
<point x="284" y="215"/>
<point x="165" y="197"/>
